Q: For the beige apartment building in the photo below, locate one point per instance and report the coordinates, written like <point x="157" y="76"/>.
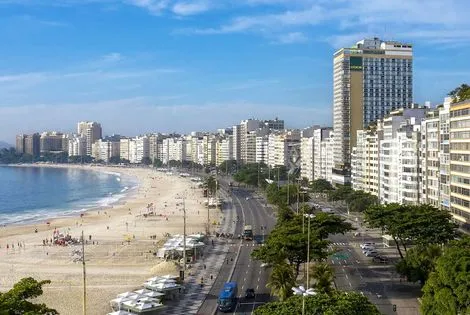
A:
<point x="370" y="79"/>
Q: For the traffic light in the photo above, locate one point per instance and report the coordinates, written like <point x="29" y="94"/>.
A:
<point x="394" y="307"/>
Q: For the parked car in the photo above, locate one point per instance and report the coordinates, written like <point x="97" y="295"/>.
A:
<point x="367" y="244"/>
<point x="380" y="259"/>
<point x="367" y="248"/>
<point x="247" y="198"/>
<point x="250" y="293"/>
<point x="371" y="253"/>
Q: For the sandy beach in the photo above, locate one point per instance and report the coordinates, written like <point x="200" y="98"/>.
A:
<point x="113" y="264"/>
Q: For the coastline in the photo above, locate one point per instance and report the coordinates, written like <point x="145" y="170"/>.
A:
<point x="114" y="264"/>
<point x="72" y="210"/>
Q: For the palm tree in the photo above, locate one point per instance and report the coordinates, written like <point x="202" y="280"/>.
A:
<point x="281" y="281"/>
<point x="323" y="275"/>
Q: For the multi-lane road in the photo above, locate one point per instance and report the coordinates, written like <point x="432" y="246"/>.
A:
<point x="240" y="267"/>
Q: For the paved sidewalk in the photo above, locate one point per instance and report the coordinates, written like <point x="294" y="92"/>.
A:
<point x="214" y="258"/>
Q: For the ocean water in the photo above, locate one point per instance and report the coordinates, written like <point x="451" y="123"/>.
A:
<point x="35" y="194"/>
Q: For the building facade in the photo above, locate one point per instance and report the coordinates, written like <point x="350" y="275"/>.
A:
<point x="369" y="81"/>
<point x="91" y="131"/>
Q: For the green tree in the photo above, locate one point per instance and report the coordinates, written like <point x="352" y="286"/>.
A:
<point x="146" y="160"/>
<point x="289" y="238"/>
<point x="460" y="93"/>
<point x="16" y="301"/>
<point x="211" y="185"/>
<point x="419" y="262"/>
<point x="359" y="201"/>
<point x="340" y="193"/>
<point x="157" y="163"/>
<point x="323" y="275"/>
<point x="321" y="186"/>
<point x="335" y="303"/>
<point x="447" y="289"/>
<point x="419" y="224"/>
<point x="281" y="281"/>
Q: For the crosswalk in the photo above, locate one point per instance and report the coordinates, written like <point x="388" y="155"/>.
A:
<point x="339" y="244"/>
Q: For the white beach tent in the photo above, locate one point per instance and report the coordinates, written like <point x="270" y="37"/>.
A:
<point x="154" y="294"/>
<point x="129" y="295"/>
<point x="142" y="291"/>
<point x="116" y="303"/>
<point x="120" y="312"/>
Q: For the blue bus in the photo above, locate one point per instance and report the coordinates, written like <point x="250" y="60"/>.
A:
<point x="228" y="297"/>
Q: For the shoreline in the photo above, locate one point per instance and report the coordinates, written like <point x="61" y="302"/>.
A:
<point x="72" y="211"/>
<point x="121" y="243"/>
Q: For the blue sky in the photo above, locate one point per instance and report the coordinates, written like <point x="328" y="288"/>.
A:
<point x="178" y="65"/>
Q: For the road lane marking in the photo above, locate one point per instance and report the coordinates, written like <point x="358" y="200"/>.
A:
<point x="347" y="276"/>
<point x="350" y="284"/>
<point x="258" y="279"/>
<point x="244" y="279"/>
<point x="257" y="287"/>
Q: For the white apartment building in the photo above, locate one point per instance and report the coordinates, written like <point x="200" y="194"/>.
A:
<point x="262" y="149"/>
<point x="91" y="131"/>
<point x="247" y="154"/>
<point x="209" y="149"/>
<point x="104" y="150"/>
<point x="430" y="156"/>
<point x="307" y="148"/>
<point x="236" y="142"/>
<point x="322" y="153"/>
<point x="365" y="160"/>
<point x="138" y="148"/>
<point x="224" y="149"/>
<point x="77" y="146"/>
<point x="460" y="163"/>
<point x="284" y="148"/>
<point x="124" y="149"/>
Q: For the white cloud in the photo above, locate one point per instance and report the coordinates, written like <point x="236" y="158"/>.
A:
<point x="292" y="38"/>
<point x="190" y="8"/>
<point x="112" y="57"/>
<point x="153" y="6"/>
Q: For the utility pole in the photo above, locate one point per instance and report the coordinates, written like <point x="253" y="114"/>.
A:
<point x="288" y="188"/>
<point x="184" y="237"/>
<point x="84" y="274"/>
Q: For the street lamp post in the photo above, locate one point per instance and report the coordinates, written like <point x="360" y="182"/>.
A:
<point x="304" y="292"/>
<point x="308" y="216"/>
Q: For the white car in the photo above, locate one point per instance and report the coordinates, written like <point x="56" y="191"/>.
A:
<point x="367" y="244"/>
<point x="247" y="198"/>
<point x="368" y="248"/>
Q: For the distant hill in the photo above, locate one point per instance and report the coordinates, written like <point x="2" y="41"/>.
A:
<point x="5" y="145"/>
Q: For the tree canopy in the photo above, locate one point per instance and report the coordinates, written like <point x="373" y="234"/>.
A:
<point x="447" y="289"/>
<point x="418" y="224"/>
<point x="321" y="186"/>
<point x="15" y="301"/>
<point x="281" y="281"/>
<point x="460" y="93"/>
<point x="288" y="240"/>
<point x="337" y="302"/>
<point x="419" y="262"/>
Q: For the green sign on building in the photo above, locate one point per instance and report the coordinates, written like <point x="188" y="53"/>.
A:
<point x="355" y="63"/>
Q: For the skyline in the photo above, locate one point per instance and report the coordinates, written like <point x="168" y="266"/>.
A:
<point x="181" y="66"/>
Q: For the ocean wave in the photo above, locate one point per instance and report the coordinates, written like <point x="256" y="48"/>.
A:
<point x="43" y="215"/>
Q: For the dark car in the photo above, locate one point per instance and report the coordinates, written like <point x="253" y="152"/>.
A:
<point x="250" y="293"/>
<point x="380" y="259"/>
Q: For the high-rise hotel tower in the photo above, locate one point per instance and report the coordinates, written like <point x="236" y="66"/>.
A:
<point x="370" y="79"/>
